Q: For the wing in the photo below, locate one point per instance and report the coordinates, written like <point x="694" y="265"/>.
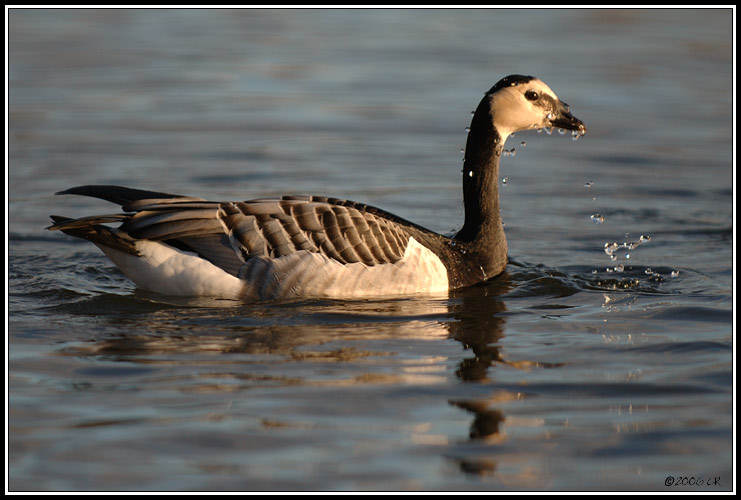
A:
<point x="228" y="234"/>
<point x="272" y="228"/>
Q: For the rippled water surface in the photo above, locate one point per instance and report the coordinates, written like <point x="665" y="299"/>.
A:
<point x="571" y="371"/>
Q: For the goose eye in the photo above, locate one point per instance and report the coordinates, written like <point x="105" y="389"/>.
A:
<point x="531" y="95"/>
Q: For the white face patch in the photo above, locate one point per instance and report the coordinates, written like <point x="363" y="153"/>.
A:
<point x="514" y="111"/>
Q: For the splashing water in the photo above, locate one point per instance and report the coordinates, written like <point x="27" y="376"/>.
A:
<point x="653" y="275"/>
<point x="575" y="134"/>
<point x="611" y="249"/>
<point x="598" y="218"/>
<point x="617" y="269"/>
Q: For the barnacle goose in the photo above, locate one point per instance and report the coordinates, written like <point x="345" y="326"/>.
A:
<point x="313" y="246"/>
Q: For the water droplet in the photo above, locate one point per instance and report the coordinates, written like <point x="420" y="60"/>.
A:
<point x="575" y="135"/>
<point x="504" y="180"/>
<point x="644" y="237"/>
<point x="550" y="116"/>
<point x="619" y="268"/>
<point x="675" y="273"/>
<point x="463" y="150"/>
<point x="548" y="130"/>
<point x="523" y="144"/>
<point x="649" y="270"/>
<point x="610" y="248"/>
<point x="598" y="218"/>
<point x="470" y="173"/>
<point x="540" y="130"/>
<point x="468" y="129"/>
<point x="561" y="131"/>
<point x="589" y="184"/>
<point x="512" y="152"/>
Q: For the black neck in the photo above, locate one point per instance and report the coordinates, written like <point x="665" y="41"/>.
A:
<point x="483" y="224"/>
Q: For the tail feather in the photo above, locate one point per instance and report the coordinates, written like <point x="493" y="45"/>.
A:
<point x="118" y="194"/>
<point x="92" y="229"/>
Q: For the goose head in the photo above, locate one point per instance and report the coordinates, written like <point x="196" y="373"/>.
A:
<point x="516" y="102"/>
<point x="519" y="102"/>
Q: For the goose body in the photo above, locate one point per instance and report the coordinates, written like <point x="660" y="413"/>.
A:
<point x="313" y="246"/>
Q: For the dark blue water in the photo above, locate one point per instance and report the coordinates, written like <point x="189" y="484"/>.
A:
<point x="571" y="371"/>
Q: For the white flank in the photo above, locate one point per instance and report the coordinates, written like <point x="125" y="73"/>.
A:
<point x="309" y="274"/>
<point x="169" y="271"/>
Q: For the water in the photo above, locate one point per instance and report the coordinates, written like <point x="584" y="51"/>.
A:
<point x="569" y="372"/>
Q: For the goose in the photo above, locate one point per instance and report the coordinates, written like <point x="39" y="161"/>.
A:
<point x="316" y="246"/>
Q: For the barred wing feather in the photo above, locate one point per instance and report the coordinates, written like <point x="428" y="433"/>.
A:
<point x="230" y="233"/>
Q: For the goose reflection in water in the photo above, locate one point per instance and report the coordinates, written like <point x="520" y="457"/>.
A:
<point x="334" y="344"/>
<point x="479" y="325"/>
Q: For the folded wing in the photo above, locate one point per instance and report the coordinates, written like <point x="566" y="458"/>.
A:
<point x="229" y="234"/>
